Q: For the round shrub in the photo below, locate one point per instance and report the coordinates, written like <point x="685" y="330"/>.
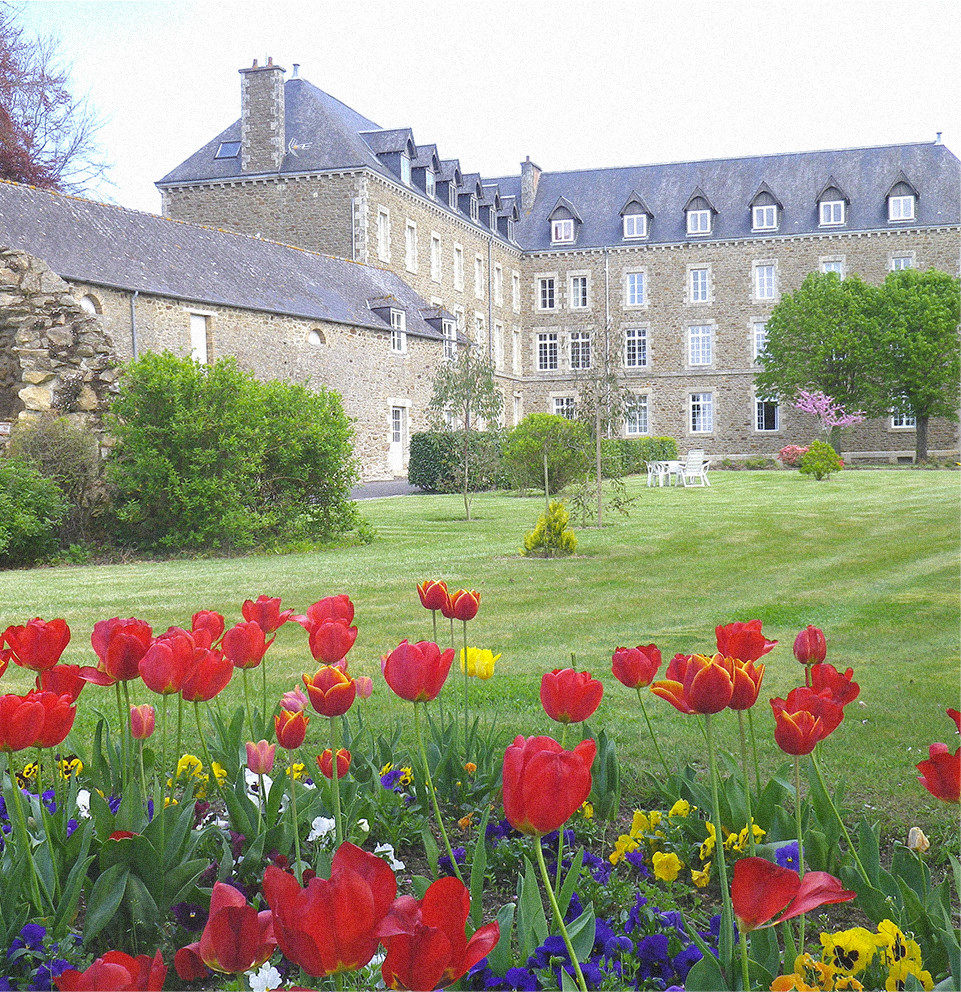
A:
<point x="552" y="537"/>
<point x="564" y="441"/>
<point x="31" y="510"/>
<point x="820" y="460"/>
<point x="790" y="455"/>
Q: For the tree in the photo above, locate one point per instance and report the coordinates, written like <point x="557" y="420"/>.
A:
<point x="545" y="447"/>
<point x="47" y="136"/>
<point x="465" y="389"/>
<point x="920" y="347"/>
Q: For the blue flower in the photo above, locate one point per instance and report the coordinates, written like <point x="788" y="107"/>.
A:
<point x="553" y="947"/>
<point x="634" y="914"/>
<point x="71" y="826"/>
<point x="574" y="909"/>
<point x="50" y="800"/>
<point x="189" y="915"/>
<point x="445" y="864"/>
<point x="114" y="803"/>
<point x="149" y="809"/>
<point x="599" y="868"/>
<point x="30" y="937"/>
<point x="636" y="858"/>
<point x="673" y="918"/>
<point x="3" y="808"/>
<point x="41" y="980"/>
<point x="390" y="779"/>
<point x="6" y="985"/>
<point x="58" y="966"/>
<point x="686" y="960"/>
<point x="653" y="959"/>
<point x="787" y="855"/>
<point x="519" y="979"/>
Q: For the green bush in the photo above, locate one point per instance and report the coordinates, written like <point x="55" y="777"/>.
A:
<point x="552" y="537"/>
<point x="436" y="461"/>
<point x="820" y="460"/>
<point x="566" y="443"/>
<point x="32" y="508"/>
<point x="636" y="451"/>
<point x="209" y="457"/>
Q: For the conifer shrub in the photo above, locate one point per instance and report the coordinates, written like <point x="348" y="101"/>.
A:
<point x="552" y="537"/>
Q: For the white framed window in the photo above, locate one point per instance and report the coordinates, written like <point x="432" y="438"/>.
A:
<point x="518" y="408"/>
<point x="699" y="222"/>
<point x="480" y="329"/>
<point x="198" y="337"/>
<point x="902" y="420"/>
<point x="765" y="217"/>
<point x="635" y="226"/>
<point x="635" y="288"/>
<point x="700" y="285"/>
<point x="450" y="339"/>
<point x="578" y="288"/>
<point x="383" y="234"/>
<point x="436" y="258"/>
<point x="636" y="420"/>
<point x="900" y="262"/>
<point x="832" y="213"/>
<point x="764" y="281"/>
<point x="702" y="413"/>
<point x="635" y="347"/>
<point x="430" y="183"/>
<point x="835" y="265"/>
<point x="580" y="349"/>
<point x="498" y="345"/>
<point x="510" y="228"/>
<point x="410" y="246"/>
<point x="90" y="304"/>
<point x="565" y="406"/>
<point x="759" y="338"/>
<point x="452" y="195"/>
<point x="479" y="277"/>
<point x="458" y="267"/>
<point x="459" y="320"/>
<point x="473" y="209"/>
<point x="699" y="338"/>
<point x="562" y="231"/>
<point x="766" y="416"/>
<point x="405" y="169"/>
<point x="316" y="338"/>
<point x="398" y="423"/>
<point x="498" y="285"/>
<point x="515" y="291"/>
<point x="516" y="350"/>
<point x="901" y="207"/>
<point x="398" y="331"/>
<point x="546" y="295"/>
<point x="547" y="351"/>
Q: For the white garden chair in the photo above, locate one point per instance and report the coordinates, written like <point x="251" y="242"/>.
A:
<point x="694" y="469"/>
<point x="653" y="472"/>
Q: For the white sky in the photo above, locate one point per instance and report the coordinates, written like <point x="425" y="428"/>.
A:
<point x="573" y="85"/>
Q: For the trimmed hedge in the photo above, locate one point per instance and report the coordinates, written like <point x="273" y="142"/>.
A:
<point x="435" y="460"/>
<point x="31" y="510"/>
<point x="635" y="451"/>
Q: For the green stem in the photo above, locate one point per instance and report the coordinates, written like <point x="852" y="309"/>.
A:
<point x="558" y="915"/>
<point x="250" y="719"/>
<point x="123" y="738"/>
<point x="45" y="819"/>
<point x="657" y="747"/>
<point x="203" y="744"/>
<point x="293" y="808"/>
<point x="800" y="840"/>
<point x="179" y="754"/>
<point x="837" y="815"/>
<point x="430" y="788"/>
<point x="757" y="767"/>
<point x="24" y="835"/>
<point x="263" y="676"/>
<point x="335" y="778"/>
<point x="745" y="973"/>
<point x="164" y="758"/>
<point x="433" y="614"/>
<point x="127" y="730"/>
<point x="261" y="803"/>
<point x="143" y="777"/>
<point x="452" y="644"/>
<point x="747" y="783"/>
<point x="466" y="703"/>
<point x="727" y="931"/>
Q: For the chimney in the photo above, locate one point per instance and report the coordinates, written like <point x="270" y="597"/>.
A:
<point x="530" y="176"/>
<point x="937" y="140"/>
<point x="262" y="131"/>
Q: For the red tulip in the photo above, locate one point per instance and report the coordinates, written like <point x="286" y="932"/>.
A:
<point x="464" y="604"/>
<point x="337" y="608"/>
<point x="58" y="716"/>
<point x="331" y="691"/>
<point x="209" y="675"/>
<point x="291" y="729"/>
<point x="260" y="757"/>
<point x="37" y="644"/>
<point x="743" y="641"/>
<point x="417" y="672"/>
<point x="568" y="696"/>
<point x="839" y="687"/>
<point x="697" y="684"/>
<point x="330" y="640"/>
<point x="941" y="772"/>
<point x="236" y="938"/>
<point x="122" y="835"/>
<point x="64" y="680"/>
<point x="208" y="623"/>
<point x="168" y="661"/>
<point x="544" y="785"/>
<point x="119" y="645"/>
<point x="636" y="667"/>
<point x="325" y="762"/>
<point x="332" y="925"/>
<point x="5" y="655"/>
<point x="21" y="721"/>
<point x="142" y="721"/>
<point x="245" y="645"/>
<point x="810" y="646"/>
<point x="426" y="943"/>
<point x="265" y="611"/>
<point x="956" y="716"/>
<point x="762" y="890"/>
<point x="433" y="594"/>
<point x="116" y="971"/>
<point x="803" y="720"/>
<point x="747" y="684"/>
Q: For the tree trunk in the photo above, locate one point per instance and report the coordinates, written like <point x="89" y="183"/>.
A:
<point x="597" y="455"/>
<point x="467" y="460"/>
<point x="547" y="494"/>
<point x="921" y="438"/>
<point x="834" y="439"/>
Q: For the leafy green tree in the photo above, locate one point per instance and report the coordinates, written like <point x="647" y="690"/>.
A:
<point x="464" y="390"/>
<point x="547" y="450"/>
<point x="920" y="347"/>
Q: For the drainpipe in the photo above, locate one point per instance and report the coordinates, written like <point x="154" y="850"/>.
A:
<point x="133" y="325"/>
<point x="607" y="311"/>
<point x="490" y="300"/>
<point x="353" y="229"/>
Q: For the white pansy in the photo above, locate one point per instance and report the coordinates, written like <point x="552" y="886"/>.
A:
<point x="364" y="825"/>
<point x="267" y="977"/>
<point x="321" y="826"/>
<point x="83" y="803"/>
<point x="388" y="850"/>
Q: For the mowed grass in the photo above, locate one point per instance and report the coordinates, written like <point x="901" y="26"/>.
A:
<point x="872" y="557"/>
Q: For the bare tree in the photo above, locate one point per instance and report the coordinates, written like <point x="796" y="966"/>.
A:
<point x="48" y="137"/>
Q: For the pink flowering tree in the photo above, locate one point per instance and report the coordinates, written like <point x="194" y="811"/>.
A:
<point x="831" y="416"/>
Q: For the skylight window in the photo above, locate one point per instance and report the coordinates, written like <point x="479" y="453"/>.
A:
<point x="228" y="149"/>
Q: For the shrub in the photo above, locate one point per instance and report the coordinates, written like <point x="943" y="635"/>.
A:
<point x="565" y="443"/>
<point x="31" y="510"/>
<point x="435" y="463"/>
<point x="820" y="460"/>
<point x="552" y="537"/>
<point x="207" y="456"/>
<point x="791" y="454"/>
<point x="635" y="451"/>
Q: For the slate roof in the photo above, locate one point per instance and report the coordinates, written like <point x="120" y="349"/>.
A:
<point x="796" y="179"/>
<point x="98" y="243"/>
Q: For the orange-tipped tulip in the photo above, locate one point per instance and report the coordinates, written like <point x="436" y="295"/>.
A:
<point x="636" y="667"/>
<point x="803" y="720"/>
<point x="142" y="721"/>
<point x="743" y="641"/>
<point x="747" y="684"/>
<point x="331" y="691"/>
<point x="464" y="604"/>
<point x="417" y="672"/>
<point x="291" y="729"/>
<point x="697" y="683"/>
<point x="260" y="757"/>
<point x="325" y="762"/>
<point x="433" y="594"/>
<point x="568" y="696"/>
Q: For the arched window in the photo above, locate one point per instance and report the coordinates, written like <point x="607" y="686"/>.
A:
<point x="91" y="304"/>
<point x="316" y="338"/>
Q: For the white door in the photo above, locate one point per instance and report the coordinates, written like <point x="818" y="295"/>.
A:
<point x="198" y="338"/>
<point x="398" y="439"/>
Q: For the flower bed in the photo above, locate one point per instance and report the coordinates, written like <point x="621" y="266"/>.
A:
<point x="129" y="864"/>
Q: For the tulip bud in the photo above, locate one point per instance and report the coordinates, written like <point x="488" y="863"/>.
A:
<point x="365" y="686"/>
<point x="810" y="647"/>
<point x="291" y="728"/>
<point x="325" y="762"/>
<point x="142" y="720"/>
<point x="917" y="842"/>
<point x="294" y="701"/>
<point x="260" y="757"/>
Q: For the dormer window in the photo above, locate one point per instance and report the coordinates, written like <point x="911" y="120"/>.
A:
<point x="450" y="339"/>
<point x="635" y="225"/>
<point x="228" y="149"/>
<point x="510" y="228"/>
<point x="398" y="331"/>
<point x="405" y="169"/>
<point x="473" y="208"/>
<point x="832" y="213"/>
<point x="901" y="207"/>
<point x="429" y="183"/>
<point x="764" y="217"/>
<point x="452" y="196"/>
<point x="562" y="231"/>
<point x="699" y="222"/>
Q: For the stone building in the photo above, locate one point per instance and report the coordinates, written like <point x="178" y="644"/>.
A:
<point x="673" y="267"/>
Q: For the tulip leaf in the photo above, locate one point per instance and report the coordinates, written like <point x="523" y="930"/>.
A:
<point x="911" y="982"/>
<point x="478" y="870"/>
<point x="182" y="816"/>
<point x="913" y="910"/>
<point x="142" y="906"/>
<point x="706" y="976"/>
<point x="869" y="851"/>
<point x="73" y="885"/>
<point x="908" y="867"/>
<point x="532" y="926"/>
<point x="499" y="959"/>
<point x="582" y="933"/>
<point x="180" y="881"/>
<point x="765" y="953"/>
<point x="571" y="880"/>
<point x="430" y="849"/>
<point x="420" y="884"/>
<point x="238" y="812"/>
<point x="105" y="897"/>
<point x="568" y="984"/>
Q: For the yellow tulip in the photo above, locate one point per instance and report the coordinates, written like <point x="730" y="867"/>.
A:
<point x="479" y="663"/>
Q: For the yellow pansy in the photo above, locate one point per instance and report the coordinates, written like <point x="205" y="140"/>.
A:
<point x="169" y="800"/>
<point x="219" y="771"/>
<point x="587" y="810"/>
<point x="898" y="974"/>
<point x="666" y="866"/>
<point x="622" y="845"/>
<point x="809" y="973"/>
<point x="70" y="766"/>
<point x="407" y="776"/>
<point x="189" y="766"/>
<point x="740" y="842"/>
<point x="640" y="824"/>
<point x="655" y="817"/>
<point x="792" y="983"/>
<point x="707" y="847"/>
<point x="681" y="808"/>
<point x="470" y="768"/>
<point x="480" y="662"/>
<point x="848" y="951"/>
<point x="298" y="769"/>
<point x="702" y="877"/>
<point x="845" y="982"/>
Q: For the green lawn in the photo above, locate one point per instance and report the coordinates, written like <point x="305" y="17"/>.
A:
<point x="870" y="556"/>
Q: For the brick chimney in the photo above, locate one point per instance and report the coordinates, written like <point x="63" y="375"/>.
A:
<point x="262" y="132"/>
<point x="530" y="176"/>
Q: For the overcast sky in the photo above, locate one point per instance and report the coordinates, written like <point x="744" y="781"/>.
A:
<point x="573" y="85"/>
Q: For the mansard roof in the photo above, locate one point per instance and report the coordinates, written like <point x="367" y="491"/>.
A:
<point x="699" y="194"/>
<point x="86" y="241"/>
<point x="833" y="184"/>
<point x="450" y="169"/>
<point x="426" y="156"/>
